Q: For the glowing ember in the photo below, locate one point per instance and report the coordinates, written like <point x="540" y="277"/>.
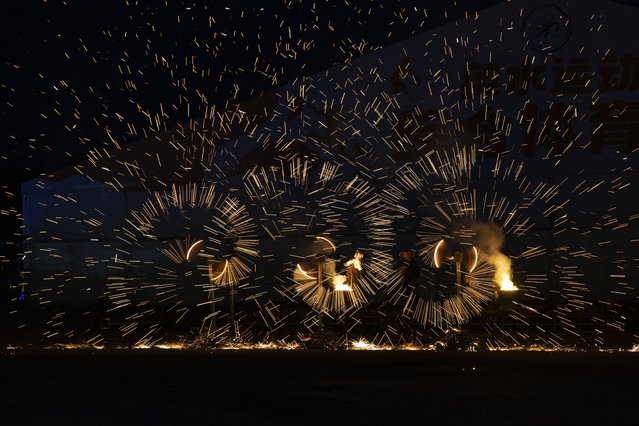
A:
<point x="142" y="346"/>
<point x="327" y="240"/>
<point x="73" y="346"/>
<point x="507" y="284"/>
<point x="260" y="345"/>
<point x="168" y="345"/>
<point x="362" y="344"/>
<point x="339" y="283"/>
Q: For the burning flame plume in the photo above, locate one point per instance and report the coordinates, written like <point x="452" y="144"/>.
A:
<point x="339" y="283"/>
<point x="490" y="239"/>
<point x="447" y="191"/>
<point x="502" y="265"/>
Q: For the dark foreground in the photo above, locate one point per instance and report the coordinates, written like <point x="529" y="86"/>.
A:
<point x="318" y="387"/>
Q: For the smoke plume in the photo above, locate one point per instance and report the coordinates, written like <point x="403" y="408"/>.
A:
<point x="490" y="239"/>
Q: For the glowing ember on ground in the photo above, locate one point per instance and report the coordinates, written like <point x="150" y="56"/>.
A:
<point x="362" y="344"/>
<point x="74" y="346"/>
<point x="327" y="240"/>
<point x="174" y="345"/>
<point x="260" y="346"/>
<point x="213" y="279"/>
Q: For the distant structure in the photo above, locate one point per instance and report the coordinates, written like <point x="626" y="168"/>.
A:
<point x="561" y="111"/>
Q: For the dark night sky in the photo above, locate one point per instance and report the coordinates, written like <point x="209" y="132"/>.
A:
<point x="80" y="75"/>
<point x="77" y="74"/>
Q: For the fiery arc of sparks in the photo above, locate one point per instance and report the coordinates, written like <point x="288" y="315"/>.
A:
<point x="339" y="284"/>
<point x="327" y="240"/>
<point x="188" y="253"/>
<point x="223" y="271"/>
<point x="436" y="250"/>
<point x="475" y="261"/>
<point x="355" y="262"/>
<point x="310" y="277"/>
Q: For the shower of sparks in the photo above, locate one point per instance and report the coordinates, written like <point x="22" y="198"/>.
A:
<point x="381" y="153"/>
<point x="453" y="204"/>
<point x="226" y="238"/>
<point x="322" y="216"/>
<point x="437" y="300"/>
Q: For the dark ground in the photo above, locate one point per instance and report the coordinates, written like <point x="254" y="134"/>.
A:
<point x="318" y="387"/>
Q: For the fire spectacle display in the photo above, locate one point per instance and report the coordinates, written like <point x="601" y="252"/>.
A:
<point x="214" y="248"/>
<point x="396" y="199"/>
<point x="453" y="266"/>
<point x="319" y="233"/>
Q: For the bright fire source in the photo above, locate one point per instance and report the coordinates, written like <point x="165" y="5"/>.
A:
<point x="339" y="283"/>
<point x="356" y="261"/>
<point x="507" y="284"/>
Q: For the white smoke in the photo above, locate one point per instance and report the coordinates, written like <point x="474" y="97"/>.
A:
<point x="490" y="239"/>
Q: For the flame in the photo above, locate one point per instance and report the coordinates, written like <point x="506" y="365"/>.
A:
<point x="339" y="283"/>
<point x="356" y="261"/>
<point x="506" y="283"/>
<point x="502" y="265"/>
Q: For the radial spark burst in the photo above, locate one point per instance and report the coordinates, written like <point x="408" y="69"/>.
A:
<point x="437" y="296"/>
<point x="452" y="217"/>
<point x="321" y="229"/>
<point x="180" y="246"/>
